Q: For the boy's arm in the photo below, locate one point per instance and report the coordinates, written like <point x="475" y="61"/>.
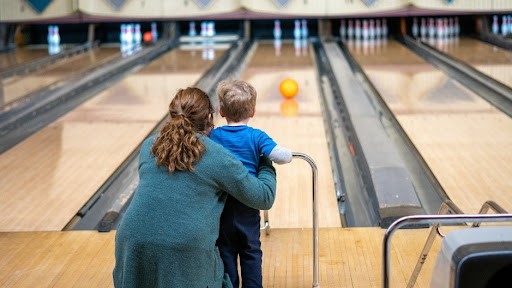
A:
<point x="280" y="155"/>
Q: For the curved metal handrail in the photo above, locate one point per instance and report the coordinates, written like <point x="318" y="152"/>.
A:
<point x="430" y="219"/>
<point x="315" y="214"/>
<point x="490" y="205"/>
<point x="266" y="226"/>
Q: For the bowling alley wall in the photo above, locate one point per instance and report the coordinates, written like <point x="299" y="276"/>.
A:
<point x="110" y="10"/>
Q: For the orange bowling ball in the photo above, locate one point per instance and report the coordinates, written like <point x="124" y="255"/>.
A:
<point x="289" y="107"/>
<point x="147" y="36"/>
<point x="288" y="88"/>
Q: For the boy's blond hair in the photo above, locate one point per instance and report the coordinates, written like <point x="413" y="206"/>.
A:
<point x="237" y="99"/>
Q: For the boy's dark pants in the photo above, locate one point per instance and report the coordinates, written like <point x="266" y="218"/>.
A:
<point x="240" y="236"/>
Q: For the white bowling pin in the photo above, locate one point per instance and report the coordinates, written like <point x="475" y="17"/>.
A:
<point x="440" y="28"/>
<point x="431" y="28"/>
<point x="357" y="29"/>
<point x="343" y="30"/>
<point x="296" y="30"/>
<point x="423" y="28"/>
<point x="350" y="30"/>
<point x="56" y="35"/>
<point x="456" y="26"/>
<point x="495" y="28"/>
<point x="277" y="29"/>
<point x="365" y="31"/>
<point x="203" y="29"/>
<point x="137" y="36"/>
<point x="304" y="29"/>
<point x="414" y="28"/>
<point x="192" y="29"/>
<point x="49" y="38"/>
<point x="209" y="29"/>
<point x="154" y="31"/>
<point x="378" y="30"/>
<point x="371" y="29"/>
<point x="504" y="26"/>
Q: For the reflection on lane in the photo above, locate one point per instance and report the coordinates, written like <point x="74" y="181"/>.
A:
<point x="466" y="142"/>
<point x="493" y="61"/>
<point x="55" y="74"/>
<point x="20" y="56"/>
<point x="48" y="177"/>
<point x="410" y="85"/>
<point x="297" y="124"/>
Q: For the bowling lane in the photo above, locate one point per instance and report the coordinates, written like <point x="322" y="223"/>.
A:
<point x="55" y="74"/>
<point x="48" y="177"/>
<point x="466" y="142"/>
<point x="491" y="60"/>
<point x="20" y="56"/>
<point x="298" y="125"/>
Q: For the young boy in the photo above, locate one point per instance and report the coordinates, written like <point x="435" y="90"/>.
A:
<point x="239" y="234"/>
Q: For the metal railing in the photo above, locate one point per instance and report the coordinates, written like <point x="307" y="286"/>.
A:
<point x="437" y="220"/>
<point x="266" y="226"/>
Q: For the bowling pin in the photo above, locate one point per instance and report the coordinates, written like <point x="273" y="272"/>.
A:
<point x="154" y="31"/>
<point x="304" y="29"/>
<point x="495" y="28"/>
<point x="137" y="37"/>
<point x="431" y="28"/>
<point x="371" y="29"/>
<point x="357" y="29"/>
<point x="122" y="33"/>
<point x="504" y="26"/>
<point x="350" y="30"/>
<point x="440" y="28"/>
<point x="509" y="23"/>
<point x="49" y="38"/>
<point x="277" y="29"/>
<point x="365" y="30"/>
<point x="384" y="28"/>
<point x="296" y="30"/>
<point x="209" y="29"/>
<point x="423" y="28"/>
<point x="192" y="29"/>
<point x="56" y="35"/>
<point x="129" y="39"/>
<point x="414" y="29"/>
<point x="343" y="30"/>
<point x="203" y="29"/>
<point x="378" y="30"/>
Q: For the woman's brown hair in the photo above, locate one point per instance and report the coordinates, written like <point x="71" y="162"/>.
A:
<point x="178" y="147"/>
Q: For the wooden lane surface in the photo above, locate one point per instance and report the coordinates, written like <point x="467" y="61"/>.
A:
<point x="48" y="177"/>
<point x="491" y="60"/>
<point x="296" y="124"/>
<point x="18" y="86"/>
<point x="466" y="142"/>
<point x="20" y="56"/>
<point x="349" y="257"/>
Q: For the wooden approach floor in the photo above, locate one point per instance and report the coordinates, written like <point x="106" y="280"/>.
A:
<point x="349" y="257"/>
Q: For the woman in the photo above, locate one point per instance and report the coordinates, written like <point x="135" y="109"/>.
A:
<point x="168" y="233"/>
